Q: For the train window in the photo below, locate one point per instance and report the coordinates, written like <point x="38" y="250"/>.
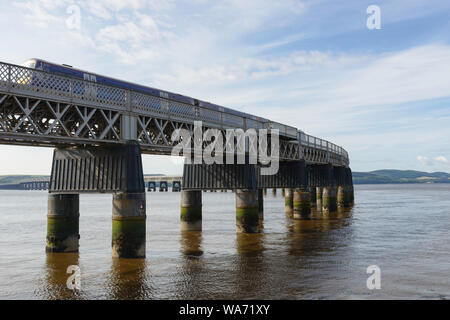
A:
<point x="90" y="77"/>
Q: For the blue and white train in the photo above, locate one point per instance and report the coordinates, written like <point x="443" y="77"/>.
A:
<point x="66" y="70"/>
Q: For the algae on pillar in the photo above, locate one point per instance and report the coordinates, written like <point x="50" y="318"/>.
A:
<point x="191" y="210"/>
<point x="343" y="197"/>
<point x="63" y="223"/>
<point x="302" y="204"/>
<point x="128" y="225"/>
<point x="329" y="199"/>
<point x="288" y="201"/>
<point x="247" y="216"/>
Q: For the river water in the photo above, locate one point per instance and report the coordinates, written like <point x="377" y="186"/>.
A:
<point x="402" y="229"/>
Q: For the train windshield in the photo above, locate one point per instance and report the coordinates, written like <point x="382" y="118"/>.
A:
<point x="30" y="64"/>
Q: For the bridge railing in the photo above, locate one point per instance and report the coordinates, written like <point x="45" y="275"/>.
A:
<point x="317" y="143"/>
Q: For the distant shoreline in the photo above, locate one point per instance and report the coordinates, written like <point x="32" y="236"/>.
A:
<point x="386" y="176"/>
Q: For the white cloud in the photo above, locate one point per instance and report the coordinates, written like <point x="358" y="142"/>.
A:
<point x="424" y="160"/>
<point x="437" y="161"/>
<point x="442" y="159"/>
<point x="37" y="12"/>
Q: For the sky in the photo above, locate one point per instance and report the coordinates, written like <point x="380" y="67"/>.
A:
<point x="383" y="94"/>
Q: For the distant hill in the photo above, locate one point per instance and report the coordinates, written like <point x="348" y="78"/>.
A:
<point x="16" y="179"/>
<point x="399" y="176"/>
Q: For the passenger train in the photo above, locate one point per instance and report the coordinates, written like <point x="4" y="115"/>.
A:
<point x="66" y="70"/>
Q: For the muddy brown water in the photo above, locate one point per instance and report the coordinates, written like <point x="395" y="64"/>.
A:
<point x="403" y="229"/>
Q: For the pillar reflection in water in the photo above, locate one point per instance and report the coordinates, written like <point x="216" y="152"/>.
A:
<point x="309" y="237"/>
<point x="251" y="272"/>
<point x="191" y="278"/>
<point x="54" y="286"/>
<point x="191" y="243"/>
<point x="129" y="280"/>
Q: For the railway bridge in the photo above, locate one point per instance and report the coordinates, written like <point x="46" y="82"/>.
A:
<point x="99" y="132"/>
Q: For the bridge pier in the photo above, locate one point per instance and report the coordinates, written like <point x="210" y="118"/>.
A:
<point x="176" y="186"/>
<point x="351" y="191"/>
<point x="247" y="216"/>
<point x="63" y="223"/>
<point x="313" y="193"/>
<point x="274" y="192"/>
<point x="342" y="197"/>
<point x="319" y="192"/>
<point x="163" y="186"/>
<point x="260" y="205"/>
<point x="115" y="169"/>
<point x="283" y="192"/>
<point x="152" y="186"/>
<point x="289" y="201"/>
<point x="191" y="210"/>
<point x="352" y="195"/>
<point x="302" y="204"/>
<point x="343" y="178"/>
<point x="329" y="199"/>
<point x="128" y="225"/>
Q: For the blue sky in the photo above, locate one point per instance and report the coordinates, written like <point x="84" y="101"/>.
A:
<point x="384" y="95"/>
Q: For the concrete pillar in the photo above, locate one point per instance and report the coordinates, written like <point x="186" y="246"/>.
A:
<point x="351" y="195"/>
<point x="283" y="192"/>
<point x="247" y="216"/>
<point x="329" y="199"/>
<point x="313" y="197"/>
<point x="289" y="201"/>
<point x="343" y="197"/>
<point x="128" y="225"/>
<point x="302" y="204"/>
<point x="191" y="210"/>
<point x="63" y="218"/>
<point x="260" y="204"/>
<point x="319" y="191"/>
<point x="274" y="191"/>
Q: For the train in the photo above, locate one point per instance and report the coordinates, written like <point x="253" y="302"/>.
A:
<point x="80" y="88"/>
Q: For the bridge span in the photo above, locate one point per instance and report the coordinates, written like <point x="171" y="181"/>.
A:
<point x="100" y="131"/>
